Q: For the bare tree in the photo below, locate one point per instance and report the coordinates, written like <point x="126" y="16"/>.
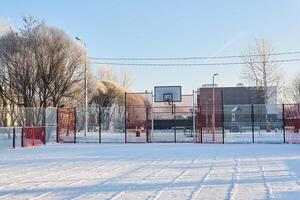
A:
<point x="260" y="71"/>
<point x="40" y="65"/>
<point x="295" y="89"/>
<point x="126" y="79"/>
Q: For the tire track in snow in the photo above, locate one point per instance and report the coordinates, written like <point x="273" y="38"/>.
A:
<point x="145" y="180"/>
<point x="36" y="173"/>
<point x="116" y="169"/>
<point x="235" y="178"/>
<point x="126" y="173"/>
<point x="268" y="188"/>
<point x="183" y="173"/>
<point x="150" y="176"/>
<point x="195" y="193"/>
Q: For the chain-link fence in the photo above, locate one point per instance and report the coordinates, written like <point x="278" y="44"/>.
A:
<point x="144" y="121"/>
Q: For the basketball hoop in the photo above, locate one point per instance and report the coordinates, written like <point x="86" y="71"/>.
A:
<point x="170" y="102"/>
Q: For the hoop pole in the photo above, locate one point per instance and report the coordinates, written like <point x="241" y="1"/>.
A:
<point x="175" y="138"/>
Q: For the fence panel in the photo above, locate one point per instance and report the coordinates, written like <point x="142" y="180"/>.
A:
<point x="209" y="124"/>
<point x="268" y="123"/>
<point x="292" y="123"/>
<point x="34" y="136"/>
<point x="238" y="124"/>
<point x="51" y="124"/>
<point x="66" y="125"/>
<point x="112" y="124"/>
<point x="92" y="133"/>
<point x="163" y="124"/>
<point x="138" y="115"/>
<point x="6" y="137"/>
<point x="184" y="124"/>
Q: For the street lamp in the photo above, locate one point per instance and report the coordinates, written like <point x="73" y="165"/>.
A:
<point x="85" y="91"/>
<point x="213" y="99"/>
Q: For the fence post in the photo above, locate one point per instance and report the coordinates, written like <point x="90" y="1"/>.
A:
<point x="194" y="118"/>
<point x="100" y="136"/>
<point x="147" y="131"/>
<point x="57" y="125"/>
<point x="44" y="135"/>
<point x="200" y="118"/>
<point x="283" y="123"/>
<point x="14" y="137"/>
<point x="152" y="115"/>
<point x="45" y="124"/>
<point x="22" y="136"/>
<point x="75" y="121"/>
<point x="125" y="120"/>
<point x="174" y="112"/>
<point x="223" y="130"/>
<point x="33" y="135"/>
<point x="252" y="122"/>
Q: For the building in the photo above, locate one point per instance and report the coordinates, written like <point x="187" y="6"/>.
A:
<point x="237" y="105"/>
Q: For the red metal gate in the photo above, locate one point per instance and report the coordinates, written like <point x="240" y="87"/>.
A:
<point x="209" y="117"/>
<point x="66" y="125"/>
<point x="33" y="136"/>
<point x="292" y="122"/>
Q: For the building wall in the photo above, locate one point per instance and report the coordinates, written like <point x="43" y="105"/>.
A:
<point x="231" y="96"/>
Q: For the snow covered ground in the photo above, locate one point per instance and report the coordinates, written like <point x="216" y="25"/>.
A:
<point x="151" y="171"/>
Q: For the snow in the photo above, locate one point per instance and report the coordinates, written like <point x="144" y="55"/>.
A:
<point x="151" y="171"/>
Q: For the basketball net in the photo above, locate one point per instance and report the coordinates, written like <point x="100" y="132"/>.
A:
<point x="169" y="102"/>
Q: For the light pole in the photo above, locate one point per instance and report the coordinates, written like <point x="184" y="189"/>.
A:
<point x="213" y="99"/>
<point x="85" y="92"/>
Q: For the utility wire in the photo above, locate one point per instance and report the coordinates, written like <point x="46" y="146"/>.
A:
<point x="194" y="64"/>
<point x="201" y="58"/>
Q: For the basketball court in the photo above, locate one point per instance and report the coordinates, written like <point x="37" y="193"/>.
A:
<point x="151" y="171"/>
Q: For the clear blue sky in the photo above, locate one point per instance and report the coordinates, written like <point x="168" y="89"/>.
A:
<point x="170" y="28"/>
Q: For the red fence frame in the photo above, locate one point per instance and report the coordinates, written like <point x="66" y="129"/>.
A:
<point x="33" y="136"/>
<point x="292" y="122"/>
<point x="66" y="125"/>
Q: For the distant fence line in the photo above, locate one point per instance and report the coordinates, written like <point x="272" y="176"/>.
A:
<point x="256" y="123"/>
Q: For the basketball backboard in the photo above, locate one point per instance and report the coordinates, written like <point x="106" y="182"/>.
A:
<point x="167" y="93"/>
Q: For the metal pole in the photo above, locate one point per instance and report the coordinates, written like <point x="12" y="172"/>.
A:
<point x="86" y="100"/>
<point x="125" y="122"/>
<point x="174" y="112"/>
<point x="252" y="121"/>
<point x="223" y="130"/>
<point x="100" y="137"/>
<point x="152" y="117"/>
<point x="213" y="114"/>
<point x="22" y="137"/>
<point x="85" y="91"/>
<point x="194" y="119"/>
<point x="201" y="125"/>
<point x="147" y="128"/>
<point x="57" y="125"/>
<point x="283" y="123"/>
<point x="75" y="119"/>
<point x="14" y="137"/>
